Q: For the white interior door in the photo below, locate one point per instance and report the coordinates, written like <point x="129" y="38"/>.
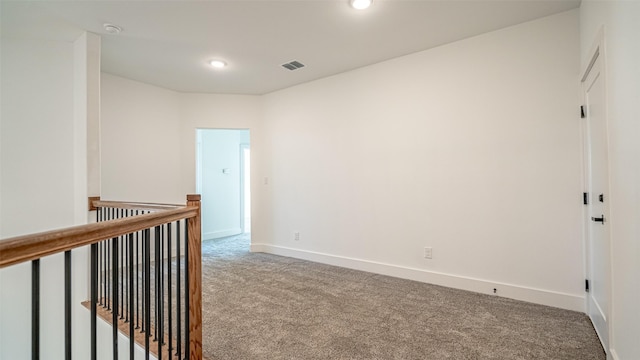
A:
<point x="597" y="178"/>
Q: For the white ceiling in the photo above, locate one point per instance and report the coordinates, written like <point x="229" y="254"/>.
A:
<point x="168" y="43"/>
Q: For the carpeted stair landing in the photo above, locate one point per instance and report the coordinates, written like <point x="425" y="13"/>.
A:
<point x="261" y="306"/>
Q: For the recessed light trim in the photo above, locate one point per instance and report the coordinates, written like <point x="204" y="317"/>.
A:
<point x="112" y="29"/>
<point x="360" y="4"/>
<point x="218" y="64"/>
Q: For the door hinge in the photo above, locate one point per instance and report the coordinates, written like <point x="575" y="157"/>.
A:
<point x="585" y="198"/>
<point x="586" y="285"/>
<point x="582" y="115"/>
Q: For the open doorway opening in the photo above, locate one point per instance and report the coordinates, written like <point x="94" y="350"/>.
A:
<point x="223" y="163"/>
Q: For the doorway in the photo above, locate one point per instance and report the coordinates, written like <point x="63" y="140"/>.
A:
<point x="596" y="198"/>
<point x="223" y="180"/>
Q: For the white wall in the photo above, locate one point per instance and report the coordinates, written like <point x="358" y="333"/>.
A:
<point x="148" y="137"/>
<point x="471" y="148"/>
<point x="37" y="173"/>
<point x="221" y="192"/>
<point x="49" y="116"/>
<point x="214" y="111"/>
<point x="140" y="144"/>
<point x="42" y="140"/>
<point x="37" y="128"/>
<point x="218" y="111"/>
<point x="621" y="21"/>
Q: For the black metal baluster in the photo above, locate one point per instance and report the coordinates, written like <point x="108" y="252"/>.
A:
<point x="147" y="291"/>
<point x="187" y="345"/>
<point x="137" y="309"/>
<point x="161" y="302"/>
<point x="35" y="309"/>
<point x="67" y="305"/>
<point x="104" y="272"/>
<point x="137" y="279"/>
<point x="170" y="308"/>
<point x="103" y="268"/>
<point x="108" y="265"/>
<point x="104" y="264"/>
<point x="157" y="279"/>
<point x="108" y="274"/>
<point x="178" y="293"/>
<point x="99" y="219"/>
<point x="114" y="282"/>
<point x="126" y="269"/>
<point x="163" y="235"/>
<point x="144" y="278"/>
<point x="94" y="300"/>
<point x="131" y="334"/>
<point x="121" y="293"/>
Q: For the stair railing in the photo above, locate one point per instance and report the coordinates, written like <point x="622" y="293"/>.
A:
<point x="139" y="253"/>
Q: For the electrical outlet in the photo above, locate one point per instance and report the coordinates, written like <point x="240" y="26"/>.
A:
<point x="428" y="253"/>
<point x="296" y="236"/>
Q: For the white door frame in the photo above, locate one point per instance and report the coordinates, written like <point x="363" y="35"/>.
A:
<point x="597" y="52"/>
<point x="243" y="195"/>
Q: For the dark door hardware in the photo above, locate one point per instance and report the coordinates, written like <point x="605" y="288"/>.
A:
<point x="598" y="219"/>
<point x="601" y="197"/>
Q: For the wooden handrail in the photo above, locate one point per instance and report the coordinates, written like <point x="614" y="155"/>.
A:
<point x="133" y="205"/>
<point x="34" y="246"/>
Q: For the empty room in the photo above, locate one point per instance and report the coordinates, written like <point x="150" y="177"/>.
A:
<point x="437" y="179"/>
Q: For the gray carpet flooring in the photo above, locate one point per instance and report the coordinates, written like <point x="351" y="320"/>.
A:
<point x="262" y="306"/>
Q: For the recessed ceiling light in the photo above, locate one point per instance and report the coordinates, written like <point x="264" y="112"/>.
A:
<point x="360" y="4"/>
<point x="112" y="29"/>
<point x="218" y="64"/>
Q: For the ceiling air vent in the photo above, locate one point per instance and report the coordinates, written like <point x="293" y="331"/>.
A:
<point x="294" y="65"/>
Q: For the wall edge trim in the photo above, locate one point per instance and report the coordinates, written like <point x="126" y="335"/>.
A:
<point x="614" y="354"/>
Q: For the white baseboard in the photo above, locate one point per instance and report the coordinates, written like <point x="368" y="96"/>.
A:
<point x="537" y="296"/>
<point x="614" y="355"/>
<point x="221" y="233"/>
